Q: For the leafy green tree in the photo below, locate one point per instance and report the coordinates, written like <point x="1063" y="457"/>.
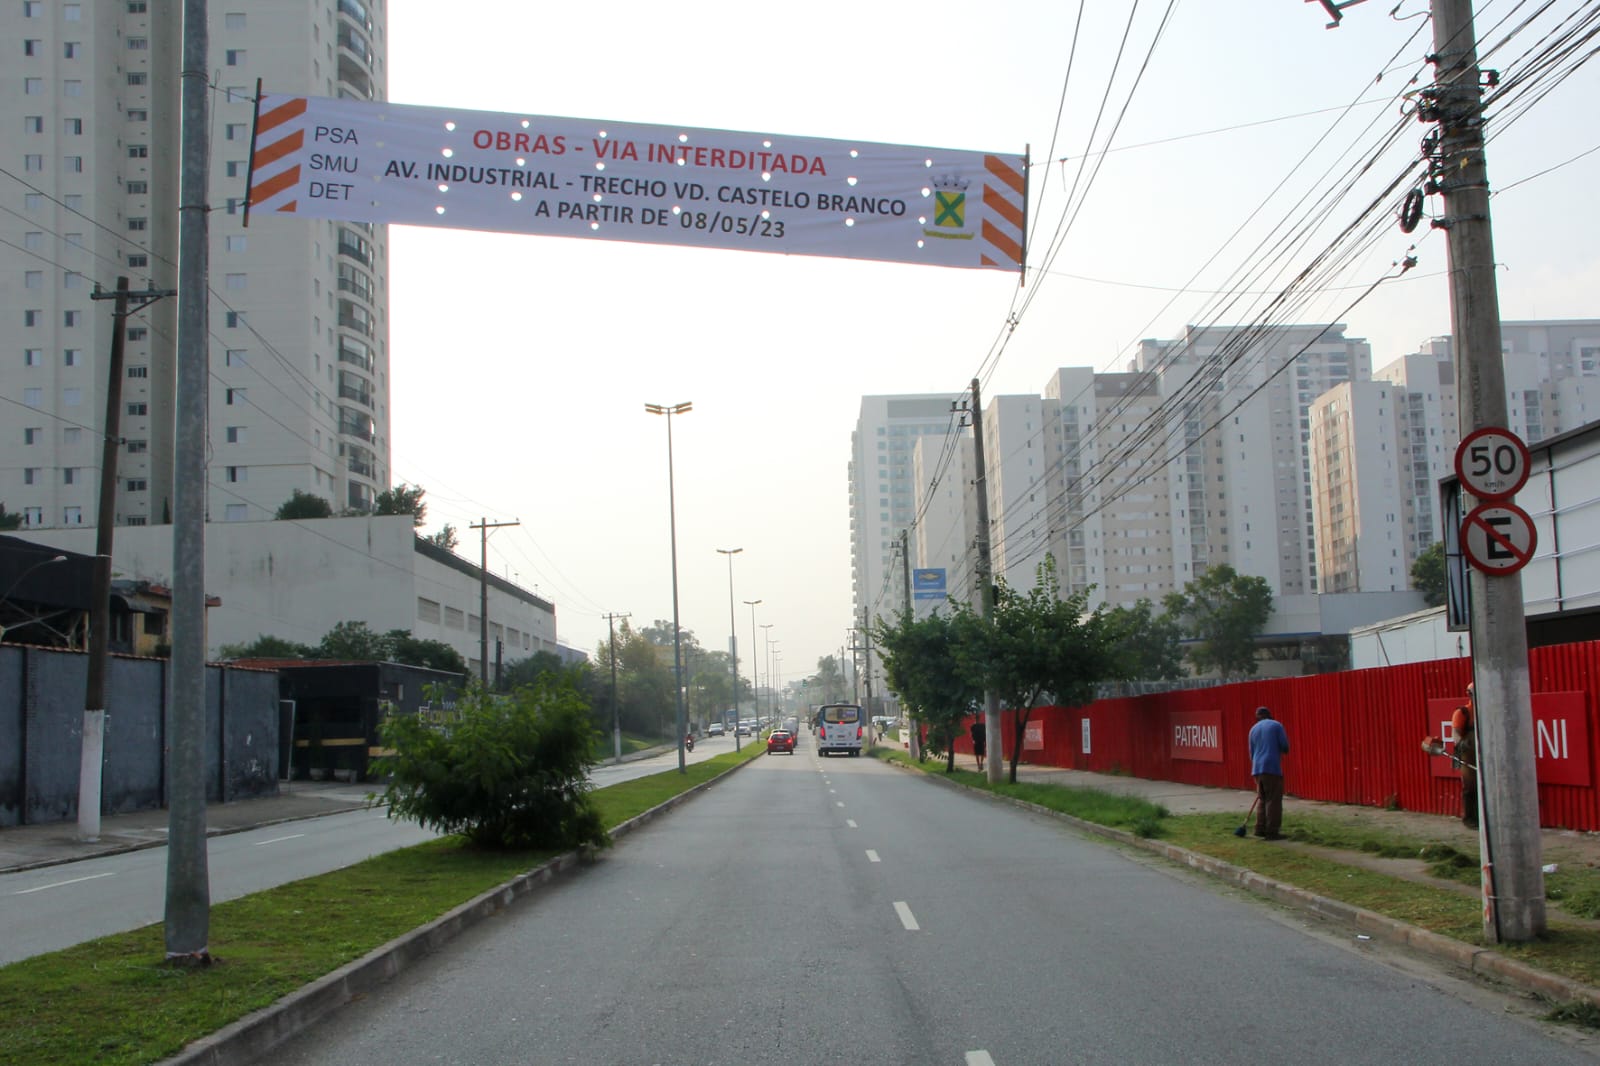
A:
<point x="510" y="772"/>
<point x="403" y="647"/>
<point x="921" y="664"/>
<point x="1428" y="574"/>
<point x="354" y="640"/>
<point x="304" y="505"/>
<point x="1224" y="612"/>
<point x="268" y="647"/>
<point x="9" y="519"/>
<point x="829" y="680"/>
<point x="444" y="537"/>
<point x="1035" y="643"/>
<point x="1145" y="646"/>
<point x="402" y="499"/>
<point x="645" y="702"/>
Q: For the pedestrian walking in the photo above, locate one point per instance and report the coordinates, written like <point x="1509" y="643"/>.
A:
<point x="980" y="742"/>
<point x="1464" y="726"/>
<point x="1268" y="745"/>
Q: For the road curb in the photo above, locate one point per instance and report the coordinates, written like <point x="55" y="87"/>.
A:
<point x="1484" y="962"/>
<point x="248" y="1039"/>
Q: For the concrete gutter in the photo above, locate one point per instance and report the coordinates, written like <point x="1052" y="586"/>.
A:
<point x="1484" y="962"/>
<point x="253" y="1036"/>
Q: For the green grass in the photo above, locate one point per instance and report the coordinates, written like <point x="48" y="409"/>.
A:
<point x="114" y="1001"/>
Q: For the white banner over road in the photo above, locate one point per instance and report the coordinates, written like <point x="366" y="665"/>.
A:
<point x="567" y="177"/>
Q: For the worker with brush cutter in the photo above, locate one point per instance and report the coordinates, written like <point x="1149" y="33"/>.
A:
<point x="1463" y="729"/>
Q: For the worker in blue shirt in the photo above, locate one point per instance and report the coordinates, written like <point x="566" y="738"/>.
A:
<point x="1268" y="745"/>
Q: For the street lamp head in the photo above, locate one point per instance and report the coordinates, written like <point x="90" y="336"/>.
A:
<point x="668" y="409"/>
<point x="729" y="551"/>
<point x="751" y="603"/>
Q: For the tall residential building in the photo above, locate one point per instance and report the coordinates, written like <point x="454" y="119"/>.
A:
<point x="947" y="526"/>
<point x="1237" y="406"/>
<point x="1016" y="462"/>
<point x="1380" y="452"/>
<point x="883" y="492"/>
<point x="298" y="309"/>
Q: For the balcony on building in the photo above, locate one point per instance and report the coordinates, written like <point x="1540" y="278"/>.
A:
<point x="355" y="353"/>
<point x="355" y="247"/>
<point x="358" y="424"/>
<point x="354" y="387"/>
<point x="355" y="317"/>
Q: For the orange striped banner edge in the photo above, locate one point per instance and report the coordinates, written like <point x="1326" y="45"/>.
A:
<point x="278" y="149"/>
<point x="281" y="114"/>
<point x="291" y="206"/>
<point x="994" y="201"/>
<point x="1011" y="248"/>
<point x="274" y="185"/>
<point x="1005" y="172"/>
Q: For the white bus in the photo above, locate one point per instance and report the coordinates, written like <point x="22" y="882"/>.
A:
<point x="838" y="727"/>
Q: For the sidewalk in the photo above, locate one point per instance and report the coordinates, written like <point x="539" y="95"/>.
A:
<point x="24" y="847"/>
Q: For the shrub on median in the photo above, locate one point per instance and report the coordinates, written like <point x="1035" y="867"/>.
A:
<point x="504" y="771"/>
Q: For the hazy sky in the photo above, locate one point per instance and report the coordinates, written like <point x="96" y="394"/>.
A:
<point x="520" y="365"/>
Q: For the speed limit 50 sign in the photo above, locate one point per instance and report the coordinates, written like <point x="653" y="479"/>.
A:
<point x="1492" y="463"/>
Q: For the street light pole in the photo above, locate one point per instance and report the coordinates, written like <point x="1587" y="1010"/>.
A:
<point x="672" y="511"/>
<point x="13" y="586"/>
<point x="766" y="655"/>
<point x="733" y="643"/>
<point x="755" y="680"/>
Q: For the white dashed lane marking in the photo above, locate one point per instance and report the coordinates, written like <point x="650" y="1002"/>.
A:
<point x="872" y="856"/>
<point x="907" y="919"/>
<point x="979" y="1058"/>
<point x="851" y="822"/>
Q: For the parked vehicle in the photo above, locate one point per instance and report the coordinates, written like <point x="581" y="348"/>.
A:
<point x="780" y="740"/>
<point x="839" y="728"/>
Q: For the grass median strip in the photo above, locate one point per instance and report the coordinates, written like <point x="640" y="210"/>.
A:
<point x="1338" y="864"/>
<point x="113" y="1001"/>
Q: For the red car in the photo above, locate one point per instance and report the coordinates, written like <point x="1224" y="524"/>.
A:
<point x="780" y="740"/>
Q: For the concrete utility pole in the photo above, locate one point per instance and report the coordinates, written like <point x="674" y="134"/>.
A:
<point x="616" y="711"/>
<point x="483" y="597"/>
<point x="187" y="922"/>
<point x="866" y="659"/>
<point x="91" y="761"/>
<point x="984" y="571"/>
<point x="733" y="643"/>
<point x="1513" y="877"/>
<point x="905" y="567"/>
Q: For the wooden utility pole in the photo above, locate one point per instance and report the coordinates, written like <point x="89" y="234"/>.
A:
<point x="1509" y="839"/>
<point x="984" y="570"/>
<point x="91" y="762"/>
<point x="483" y="597"/>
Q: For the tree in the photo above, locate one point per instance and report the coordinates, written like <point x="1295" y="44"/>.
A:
<point x="830" y="680"/>
<point x="1428" y="574"/>
<point x="445" y="538"/>
<point x="1037" y="643"/>
<point x="510" y="772"/>
<point x="921" y="664"/>
<point x="355" y="640"/>
<point x="403" y="647"/>
<point x="9" y="519"/>
<point x="268" y="647"/>
<point x="1145" y="646"/>
<point x="402" y="499"/>
<point x="304" y="505"/>
<point x="1224" y="612"/>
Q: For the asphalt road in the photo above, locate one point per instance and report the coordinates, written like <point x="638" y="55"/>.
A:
<point x="51" y="908"/>
<point x="55" y="907"/>
<point x="808" y="911"/>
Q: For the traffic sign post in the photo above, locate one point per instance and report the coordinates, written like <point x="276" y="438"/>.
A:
<point x="1492" y="463"/>
<point x="1498" y="538"/>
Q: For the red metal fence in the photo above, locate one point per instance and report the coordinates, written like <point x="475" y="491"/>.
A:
<point x="1355" y="736"/>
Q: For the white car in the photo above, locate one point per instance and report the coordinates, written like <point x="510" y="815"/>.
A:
<point x="716" y="729"/>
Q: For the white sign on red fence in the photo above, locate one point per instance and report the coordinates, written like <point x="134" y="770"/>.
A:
<point x="1196" y="735"/>
<point x="1560" y="737"/>
<point x="365" y="161"/>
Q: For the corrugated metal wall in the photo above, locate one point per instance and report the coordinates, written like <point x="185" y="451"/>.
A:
<point x="1355" y="737"/>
